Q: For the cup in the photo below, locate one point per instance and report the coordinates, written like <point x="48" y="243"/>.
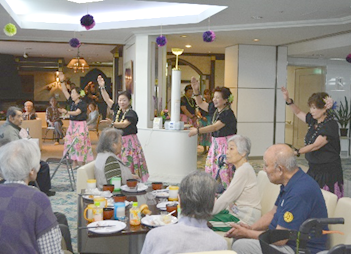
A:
<point x="157" y="185"/>
<point x="173" y="193"/>
<point x="116" y="181"/>
<point x="108" y="187"/>
<point x="120" y="211"/>
<point x="91" y="184"/>
<point x="132" y="183"/>
<point x="172" y="207"/>
<point x="97" y="213"/>
<point x="119" y="198"/>
<point x="88" y="213"/>
<point x="101" y="201"/>
<point x="108" y="213"/>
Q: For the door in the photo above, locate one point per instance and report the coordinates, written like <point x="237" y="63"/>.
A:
<point x="307" y="82"/>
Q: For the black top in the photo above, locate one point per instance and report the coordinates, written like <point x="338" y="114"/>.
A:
<point x="131" y="116"/>
<point x="329" y="128"/>
<point x="82" y="105"/>
<point x="189" y="106"/>
<point x="225" y="116"/>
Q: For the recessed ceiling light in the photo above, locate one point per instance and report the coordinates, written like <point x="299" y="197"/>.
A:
<point x="183" y="36"/>
<point x="84" y="1"/>
<point x="257" y="17"/>
<point x="256" y="40"/>
<point x="188" y="46"/>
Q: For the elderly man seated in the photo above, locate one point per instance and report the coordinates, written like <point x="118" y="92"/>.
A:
<point x="300" y="199"/>
<point x="10" y="131"/>
<point x="27" y="224"/>
<point x="29" y="113"/>
<point x="190" y="234"/>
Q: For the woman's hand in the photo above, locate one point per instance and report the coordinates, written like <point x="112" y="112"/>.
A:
<point x="62" y="110"/>
<point x="285" y="93"/>
<point x="101" y="81"/>
<point x="195" y="85"/>
<point x="135" y="177"/>
<point x="192" y="132"/>
<point x="107" y="120"/>
<point x="61" y="76"/>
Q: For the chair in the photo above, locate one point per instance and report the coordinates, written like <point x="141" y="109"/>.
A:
<point x="64" y="160"/>
<point x="342" y="210"/>
<point x="268" y="191"/>
<point x="330" y="201"/>
<point x="97" y="126"/>
<point x="83" y="174"/>
<point x="48" y="128"/>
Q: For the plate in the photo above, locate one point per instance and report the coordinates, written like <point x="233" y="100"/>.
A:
<point x="141" y="187"/>
<point x="90" y="194"/>
<point x="160" y="194"/>
<point x="162" y="205"/>
<point x="156" y="221"/>
<point x="116" y="226"/>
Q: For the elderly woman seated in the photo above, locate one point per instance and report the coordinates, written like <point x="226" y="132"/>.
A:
<point x="27" y="223"/>
<point x="241" y="200"/>
<point x="191" y="234"/>
<point x="107" y="164"/>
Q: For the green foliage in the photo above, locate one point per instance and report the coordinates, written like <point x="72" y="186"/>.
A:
<point x="343" y="113"/>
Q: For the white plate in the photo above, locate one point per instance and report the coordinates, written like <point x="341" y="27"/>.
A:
<point x="162" y="205"/>
<point x="162" y="194"/>
<point x="116" y="226"/>
<point x="90" y="196"/>
<point x="156" y="221"/>
<point x="141" y="187"/>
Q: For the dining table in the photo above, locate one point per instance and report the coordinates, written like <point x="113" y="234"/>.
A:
<point x="128" y="241"/>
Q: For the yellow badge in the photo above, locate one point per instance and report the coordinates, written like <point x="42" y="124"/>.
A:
<point x="288" y="217"/>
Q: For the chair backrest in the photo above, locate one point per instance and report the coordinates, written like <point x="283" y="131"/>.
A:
<point x="330" y="201"/>
<point x="268" y="191"/>
<point x="83" y="174"/>
<point x="342" y="210"/>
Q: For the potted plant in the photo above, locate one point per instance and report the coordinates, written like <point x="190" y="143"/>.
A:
<point x="343" y="115"/>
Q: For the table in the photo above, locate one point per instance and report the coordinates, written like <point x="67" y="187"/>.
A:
<point x="130" y="240"/>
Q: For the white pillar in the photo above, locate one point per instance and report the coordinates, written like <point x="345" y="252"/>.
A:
<point x="176" y="77"/>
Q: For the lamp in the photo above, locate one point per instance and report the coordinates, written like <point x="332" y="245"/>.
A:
<point x="78" y="63"/>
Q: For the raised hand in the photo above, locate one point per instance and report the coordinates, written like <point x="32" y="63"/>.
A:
<point x="100" y="81"/>
<point x="61" y="76"/>
<point x="195" y="85"/>
<point x="285" y="93"/>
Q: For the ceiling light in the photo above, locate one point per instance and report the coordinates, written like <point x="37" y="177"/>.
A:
<point x="78" y="63"/>
<point x="256" y="40"/>
<point x="257" y="17"/>
<point x="188" y="46"/>
<point x="84" y="1"/>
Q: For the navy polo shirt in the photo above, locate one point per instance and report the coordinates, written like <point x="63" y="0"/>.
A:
<point x="299" y="200"/>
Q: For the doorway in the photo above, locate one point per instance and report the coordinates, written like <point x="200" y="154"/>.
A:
<point x="301" y="83"/>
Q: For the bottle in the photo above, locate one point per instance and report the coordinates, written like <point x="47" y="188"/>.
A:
<point x="116" y="181"/>
<point x="120" y="210"/>
<point x="179" y="210"/>
<point x="134" y="215"/>
<point x="97" y="212"/>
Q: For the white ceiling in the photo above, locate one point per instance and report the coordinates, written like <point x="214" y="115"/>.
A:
<point x="313" y="28"/>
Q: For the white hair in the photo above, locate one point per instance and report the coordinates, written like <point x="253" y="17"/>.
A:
<point x="18" y="158"/>
<point x="242" y="143"/>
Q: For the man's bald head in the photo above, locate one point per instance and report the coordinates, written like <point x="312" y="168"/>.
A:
<point x="282" y="155"/>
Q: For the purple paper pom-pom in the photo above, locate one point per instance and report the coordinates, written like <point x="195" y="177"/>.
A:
<point x="348" y="58"/>
<point x="87" y="21"/>
<point x="74" y="43"/>
<point x="161" y="41"/>
<point x="209" y="36"/>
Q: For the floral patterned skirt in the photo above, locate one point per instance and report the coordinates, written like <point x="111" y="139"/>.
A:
<point x="218" y="148"/>
<point x="205" y="139"/>
<point x="133" y="157"/>
<point x="81" y="149"/>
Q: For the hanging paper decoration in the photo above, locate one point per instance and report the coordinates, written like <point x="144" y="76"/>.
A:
<point x="74" y="43"/>
<point x="10" y="29"/>
<point x="161" y="41"/>
<point x="209" y="36"/>
<point x="87" y="21"/>
<point x="348" y="58"/>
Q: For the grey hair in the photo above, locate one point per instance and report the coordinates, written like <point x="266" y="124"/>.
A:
<point x="285" y="159"/>
<point x="243" y="144"/>
<point x="107" y="138"/>
<point x="29" y="102"/>
<point x="197" y="195"/>
<point x="12" y="111"/>
<point x="18" y="158"/>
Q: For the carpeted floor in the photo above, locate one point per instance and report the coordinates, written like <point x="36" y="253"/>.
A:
<point x="65" y="200"/>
